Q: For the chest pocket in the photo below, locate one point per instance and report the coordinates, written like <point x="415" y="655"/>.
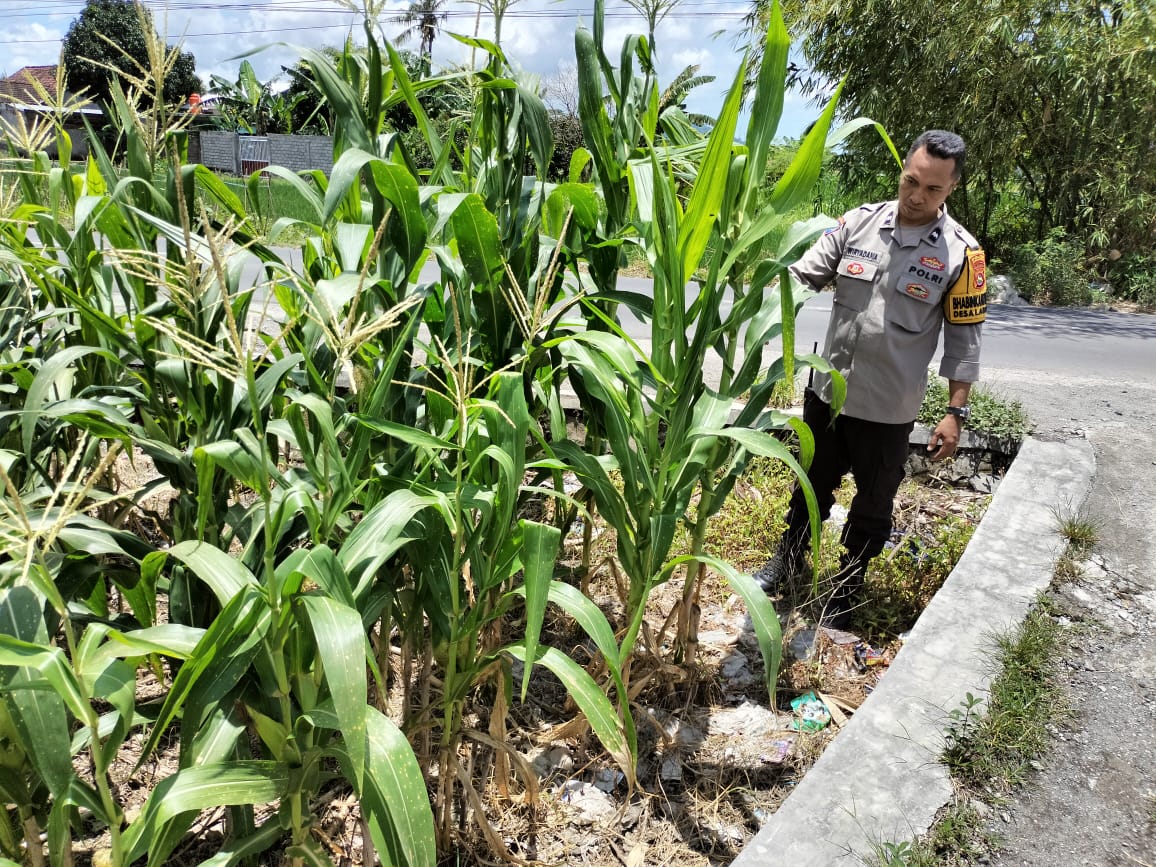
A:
<point x="914" y="304"/>
<point x="853" y="282"/>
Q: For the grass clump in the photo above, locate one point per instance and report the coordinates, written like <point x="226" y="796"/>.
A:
<point x="999" y="745"/>
<point x="901" y="581"/>
<point x="991" y="748"/>
<point x="957" y="838"/>
<point x="1081" y="533"/>
<point x="991" y="414"/>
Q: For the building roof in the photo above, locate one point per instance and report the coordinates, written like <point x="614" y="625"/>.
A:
<point x="20" y="88"/>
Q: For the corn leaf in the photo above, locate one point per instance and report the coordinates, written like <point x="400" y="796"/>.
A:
<point x="194" y="789"/>
<point x="52" y="382"/>
<point x="38" y="715"/>
<point x="392" y="791"/>
<point x="342" y="648"/>
<point x="764" y="618"/>
<point x="379" y="535"/>
<point x="767" y="107"/>
<point x="476" y="231"/>
<point x="709" y="187"/>
<point x="247" y="847"/>
<point x="225" y="576"/>
<point x="221" y="657"/>
<point x="593" y="702"/>
<point x="794" y="187"/>
<point x="540" y="543"/>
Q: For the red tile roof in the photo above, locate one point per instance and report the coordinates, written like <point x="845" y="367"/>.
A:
<point x="19" y="87"/>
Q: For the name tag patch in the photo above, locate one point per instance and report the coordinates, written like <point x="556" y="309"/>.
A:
<point x="858" y="253"/>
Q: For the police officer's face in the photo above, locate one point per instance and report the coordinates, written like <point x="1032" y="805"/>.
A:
<point x="924" y="186"/>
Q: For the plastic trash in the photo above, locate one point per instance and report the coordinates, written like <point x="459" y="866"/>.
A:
<point x="866" y="655"/>
<point x="811" y="714"/>
<point x="780" y="748"/>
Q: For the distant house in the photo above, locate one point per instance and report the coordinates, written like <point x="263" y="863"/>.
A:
<point x="21" y="87"/>
<point x="20" y="95"/>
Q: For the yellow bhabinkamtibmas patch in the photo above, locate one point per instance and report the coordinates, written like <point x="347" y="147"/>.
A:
<point x="966" y="301"/>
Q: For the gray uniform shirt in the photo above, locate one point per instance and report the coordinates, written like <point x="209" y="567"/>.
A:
<point x="888" y="309"/>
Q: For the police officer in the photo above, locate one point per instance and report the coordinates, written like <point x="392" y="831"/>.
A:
<point x="903" y="271"/>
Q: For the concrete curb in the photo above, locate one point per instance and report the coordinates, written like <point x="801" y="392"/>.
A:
<point x="881" y="780"/>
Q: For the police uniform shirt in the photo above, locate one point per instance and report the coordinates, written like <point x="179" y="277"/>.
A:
<point x="896" y="288"/>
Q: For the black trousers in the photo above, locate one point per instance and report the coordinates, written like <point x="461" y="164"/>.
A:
<point x="875" y="454"/>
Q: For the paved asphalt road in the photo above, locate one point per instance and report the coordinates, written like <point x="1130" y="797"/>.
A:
<point x="1056" y="342"/>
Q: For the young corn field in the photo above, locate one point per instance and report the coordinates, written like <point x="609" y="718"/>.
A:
<point x="350" y="484"/>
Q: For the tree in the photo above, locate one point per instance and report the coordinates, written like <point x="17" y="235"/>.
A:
<point x="251" y="105"/>
<point x="654" y="11"/>
<point x="424" y="19"/>
<point x="676" y="92"/>
<point x="1056" y="99"/>
<point x="109" y="40"/>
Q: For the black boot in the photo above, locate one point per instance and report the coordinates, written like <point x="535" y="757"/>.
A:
<point x="786" y="564"/>
<point x="848" y="584"/>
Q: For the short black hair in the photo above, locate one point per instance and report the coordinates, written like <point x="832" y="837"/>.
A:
<point x="943" y="145"/>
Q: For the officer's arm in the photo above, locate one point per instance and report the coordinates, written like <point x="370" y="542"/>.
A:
<point x="964" y="310"/>
<point x="817" y="267"/>
<point x="945" y="438"/>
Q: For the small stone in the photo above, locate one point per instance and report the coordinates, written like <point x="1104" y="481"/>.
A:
<point x="631" y="815"/>
<point x="608" y="779"/>
<point x="734" y="665"/>
<point x="671" y="770"/>
<point x="589" y="803"/>
<point x="802" y="645"/>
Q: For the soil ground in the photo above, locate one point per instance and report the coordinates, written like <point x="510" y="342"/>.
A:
<point x="1093" y="799"/>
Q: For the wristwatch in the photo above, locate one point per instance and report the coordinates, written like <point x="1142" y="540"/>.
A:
<point x="963" y="413"/>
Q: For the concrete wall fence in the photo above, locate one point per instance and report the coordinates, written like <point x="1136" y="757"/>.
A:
<point x="222" y="151"/>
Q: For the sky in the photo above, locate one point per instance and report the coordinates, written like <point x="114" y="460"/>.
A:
<point x="537" y="36"/>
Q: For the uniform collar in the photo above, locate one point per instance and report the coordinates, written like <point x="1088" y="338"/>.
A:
<point x="933" y="232"/>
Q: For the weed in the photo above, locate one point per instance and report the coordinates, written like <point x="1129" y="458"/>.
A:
<point x="1053" y="271"/>
<point x="749" y="524"/>
<point x="784" y="394"/>
<point x="991" y="414"/>
<point x="1068" y="568"/>
<point x="956" y="838"/>
<point x="1082" y="533"/>
<point x="999" y="745"/>
<point x="901" y="582"/>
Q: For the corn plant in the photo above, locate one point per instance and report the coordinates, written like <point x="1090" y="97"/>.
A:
<point x="668" y="429"/>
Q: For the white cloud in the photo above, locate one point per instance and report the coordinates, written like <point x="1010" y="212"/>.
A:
<point x="537" y="35"/>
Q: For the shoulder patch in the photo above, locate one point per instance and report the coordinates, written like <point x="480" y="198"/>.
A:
<point x="966" y="301"/>
<point x="839" y="225"/>
<point x="968" y="239"/>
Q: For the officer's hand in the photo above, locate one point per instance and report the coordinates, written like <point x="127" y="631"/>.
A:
<point x="945" y="438"/>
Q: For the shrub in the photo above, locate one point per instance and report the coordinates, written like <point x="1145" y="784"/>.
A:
<point x="1134" y="277"/>
<point x="1053" y="271"/>
<point x="990" y="413"/>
